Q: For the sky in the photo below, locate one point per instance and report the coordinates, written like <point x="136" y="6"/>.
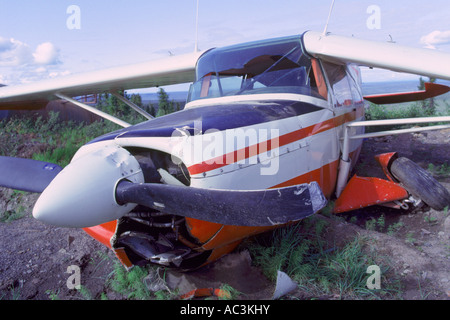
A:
<point x="42" y="39"/>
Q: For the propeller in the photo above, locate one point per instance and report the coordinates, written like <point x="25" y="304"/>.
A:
<point x="230" y="207"/>
<point x="27" y="174"/>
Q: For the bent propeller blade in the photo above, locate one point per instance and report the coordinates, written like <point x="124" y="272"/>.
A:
<point x="27" y="174"/>
<point x="266" y="207"/>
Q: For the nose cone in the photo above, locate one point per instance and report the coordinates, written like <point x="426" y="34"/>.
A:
<point x="83" y="193"/>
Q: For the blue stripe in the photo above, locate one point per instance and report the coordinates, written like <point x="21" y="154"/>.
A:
<point x="220" y="117"/>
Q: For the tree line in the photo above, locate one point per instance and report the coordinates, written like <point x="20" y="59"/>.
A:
<point x="112" y="105"/>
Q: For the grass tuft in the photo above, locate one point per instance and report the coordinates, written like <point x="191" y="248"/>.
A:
<point x="318" y="267"/>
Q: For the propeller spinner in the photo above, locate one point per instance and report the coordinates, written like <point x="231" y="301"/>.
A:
<point x="83" y="193"/>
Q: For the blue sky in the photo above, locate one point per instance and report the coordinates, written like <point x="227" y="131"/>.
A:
<point x="36" y="42"/>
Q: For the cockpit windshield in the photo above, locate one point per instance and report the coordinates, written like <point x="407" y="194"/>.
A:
<point x="270" y="66"/>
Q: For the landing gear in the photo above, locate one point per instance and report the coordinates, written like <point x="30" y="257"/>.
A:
<point x="420" y="183"/>
<point x="408" y="185"/>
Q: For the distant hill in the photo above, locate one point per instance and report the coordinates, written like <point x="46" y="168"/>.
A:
<point x="389" y="86"/>
<point x="177" y="96"/>
<point x="394" y="86"/>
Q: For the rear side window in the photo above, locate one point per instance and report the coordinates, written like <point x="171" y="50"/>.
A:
<point x="340" y="84"/>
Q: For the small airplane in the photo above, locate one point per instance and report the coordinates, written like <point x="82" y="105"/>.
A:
<point x="270" y="133"/>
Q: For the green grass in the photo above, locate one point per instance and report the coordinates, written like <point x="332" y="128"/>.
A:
<point x="18" y="211"/>
<point x="9" y="216"/>
<point x="403" y="110"/>
<point x="130" y="283"/>
<point x="378" y="224"/>
<point x="61" y="153"/>
<point x="49" y="139"/>
<point x="440" y="170"/>
<point x="394" y="228"/>
<point x="318" y="267"/>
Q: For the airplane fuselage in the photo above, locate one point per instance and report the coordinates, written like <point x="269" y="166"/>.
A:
<point x="261" y="115"/>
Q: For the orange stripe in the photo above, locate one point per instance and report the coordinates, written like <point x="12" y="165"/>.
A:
<point x="250" y="151"/>
<point x="325" y="176"/>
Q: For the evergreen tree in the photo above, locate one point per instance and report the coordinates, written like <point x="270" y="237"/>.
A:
<point x="117" y="107"/>
<point x="428" y="104"/>
<point x="151" y="109"/>
<point x="136" y="99"/>
<point x="164" y="105"/>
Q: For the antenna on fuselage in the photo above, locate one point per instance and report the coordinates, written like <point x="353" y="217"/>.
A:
<point x="196" y="29"/>
<point x="328" y="20"/>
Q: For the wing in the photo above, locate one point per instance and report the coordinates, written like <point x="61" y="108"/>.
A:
<point x="391" y="56"/>
<point x="167" y="71"/>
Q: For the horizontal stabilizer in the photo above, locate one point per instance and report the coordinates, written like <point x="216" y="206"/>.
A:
<point x="26" y="174"/>
<point x="229" y="207"/>
<point x="431" y="90"/>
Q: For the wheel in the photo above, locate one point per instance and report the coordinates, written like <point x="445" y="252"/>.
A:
<point x="420" y="183"/>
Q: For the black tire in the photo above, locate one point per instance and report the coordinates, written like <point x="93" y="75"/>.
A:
<point x="420" y="183"/>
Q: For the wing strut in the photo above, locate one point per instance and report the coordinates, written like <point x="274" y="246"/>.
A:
<point x="94" y="110"/>
<point x="132" y="105"/>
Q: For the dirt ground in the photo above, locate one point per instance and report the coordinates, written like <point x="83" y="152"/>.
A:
<point x="34" y="257"/>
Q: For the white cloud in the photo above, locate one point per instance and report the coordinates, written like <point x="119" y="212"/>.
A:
<point x="19" y="63"/>
<point x="436" y="38"/>
<point x="14" y="53"/>
<point x="46" y="54"/>
<point x="59" y="74"/>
